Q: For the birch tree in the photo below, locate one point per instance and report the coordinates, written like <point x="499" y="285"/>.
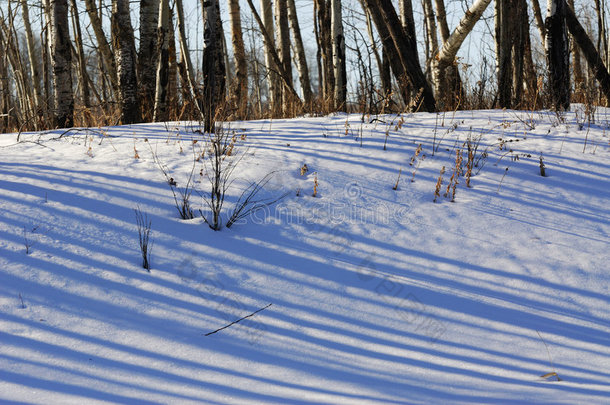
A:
<point x="451" y="46"/>
<point x="239" y="90"/>
<point x="125" y="51"/>
<point x="339" y="69"/>
<point x="213" y="63"/>
<point x="283" y="47"/>
<point x="34" y="61"/>
<point x="270" y="62"/>
<point x="102" y="43"/>
<point x="301" y="60"/>
<point x="61" y="60"/>
<point x="147" y="56"/>
<point x="324" y="41"/>
<point x="82" y="63"/>
<point x="161" y="111"/>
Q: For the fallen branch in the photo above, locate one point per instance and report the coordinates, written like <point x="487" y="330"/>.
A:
<point x="239" y="320"/>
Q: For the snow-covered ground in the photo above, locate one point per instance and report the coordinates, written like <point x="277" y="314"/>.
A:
<point x="379" y="296"/>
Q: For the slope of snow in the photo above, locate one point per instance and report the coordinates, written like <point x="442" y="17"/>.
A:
<point x="379" y="296"/>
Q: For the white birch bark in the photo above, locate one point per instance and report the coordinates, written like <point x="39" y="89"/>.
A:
<point x="338" y="44"/>
<point x="61" y="60"/>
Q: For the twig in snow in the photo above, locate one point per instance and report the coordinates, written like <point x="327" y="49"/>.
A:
<point x="239" y="320"/>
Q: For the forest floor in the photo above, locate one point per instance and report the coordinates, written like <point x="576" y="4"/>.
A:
<point x="378" y="294"/>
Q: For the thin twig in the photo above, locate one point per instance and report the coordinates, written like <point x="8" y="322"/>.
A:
<point x="239" y="320"/>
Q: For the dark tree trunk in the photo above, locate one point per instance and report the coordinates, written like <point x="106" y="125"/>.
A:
<point x="61" y="59"/>
<point x="594" y="59"/>
<point x="558" y="54"/>
<point x="125" y="55"/>
<point x="404" y="45"/>
<point x="213" y="64"/>
<point x="148" y="52"/>
<point x="512" y="27"/>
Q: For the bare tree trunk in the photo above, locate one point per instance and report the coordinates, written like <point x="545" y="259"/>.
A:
<point x="339" y="69"/>
<point x="602" y="44"/>
<point x="161" y="112"/>
<point x="213" y="64"/>
<point x="389" y="49"/>
<point x="272" y="68"/>
<point x="24" y="110"/>
<point x="558" y="54"/>
<point x="404" y="47"/>
<point x="102" y="42"/>
<point x="239" y="91"/>
<point x="5" y="90"/>
<point x="45" y="42"/>
<point x="148" y="53"/>
<point x="323" y="22"/>
<point x="61" y="59"/>
<point x="300" y="53"/>
<point x="283" y="75"/>
<point x="504" y="40"/>
<point x="594" y="59"/>
<point x="451" y="73"/>
<point x="432" y="45"/>
<point x="539" y="21"/>
<point x="383" y="63"/>
<point x="579" y="81"/>
<point x="34" y="61"/>
<point x="125" y="49"/>
<point x="191" y="89"/>
<point x="82" y="63"/>
<point x="452" y="45"/>
<point x="172" y="84"/>
<point x="283" y="46"/>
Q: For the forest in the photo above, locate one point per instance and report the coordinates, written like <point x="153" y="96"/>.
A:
<point x="68" y="63"/>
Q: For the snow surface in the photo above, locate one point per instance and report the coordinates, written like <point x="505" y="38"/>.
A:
<point x="379" y="296"/>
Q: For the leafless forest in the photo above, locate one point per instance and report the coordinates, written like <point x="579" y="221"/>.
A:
<point x="67" y="63"/>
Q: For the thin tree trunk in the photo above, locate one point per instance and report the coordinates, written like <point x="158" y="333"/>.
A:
<point x="272" y="68"/>
<point x="102" y="42"/>
<point x="432" y="45"/>
<point x="239" y="91"/>
<point x="441" y="18"/>
<point x="125" y="49"/>
<point x="191" y="90"/>
<point x="579" y="81"/>
<point x="82" y="63"/>
<point x="172" y="86"/>
<point x="61" y="58"/>
<point x="594" y="59"/>
<point x="383" y="63"/>
<point x="339" y="69"/>
<point x="539" y="21"/>
<point x="558" y="54"/>
<point x="148" y="54"/>
<point x="161" y="111"/>
<point x="272" y="52"/>
<point x="300" y="53"/>
<point x="5" y="89"/>
<point x="34" y="61"/>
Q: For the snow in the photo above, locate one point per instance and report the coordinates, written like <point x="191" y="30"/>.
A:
<point x="379" y="296"/>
